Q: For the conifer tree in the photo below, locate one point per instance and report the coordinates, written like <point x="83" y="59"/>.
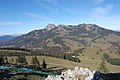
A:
<point x="35" y="61"/>
<point x="44" y="65"/>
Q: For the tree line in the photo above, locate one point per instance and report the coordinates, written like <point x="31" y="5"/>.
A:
<point x="14" y="48"/>
<point x="27" y="52"/>
<point x="22" y="59"/>
<point x="58" y="55"/>
<point x="113" y="61"/>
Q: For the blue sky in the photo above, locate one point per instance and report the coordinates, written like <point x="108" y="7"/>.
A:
<point x="22" y="16"/>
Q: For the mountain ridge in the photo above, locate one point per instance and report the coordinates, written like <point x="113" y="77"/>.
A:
<point x="69" y="38"/>
<point x="5" y="38"/>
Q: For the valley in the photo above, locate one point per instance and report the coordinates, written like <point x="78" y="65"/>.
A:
<point x="61" y="48"/>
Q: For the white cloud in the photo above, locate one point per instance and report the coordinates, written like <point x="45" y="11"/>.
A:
<point x="37" y="16"/>
<point x="50" y="5"/>
<point x="98" y="1"/>
<point x="53" y="2"/>
<point x="99" y="12"/>
<point x="32" y="14"/>
<point x="55" y="6"/>
<point x="102" y="16"/>
<point x="10" y="23"/>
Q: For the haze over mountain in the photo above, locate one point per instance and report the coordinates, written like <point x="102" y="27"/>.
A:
<point x="5" y="38"/>
<point x="69" y="38"/>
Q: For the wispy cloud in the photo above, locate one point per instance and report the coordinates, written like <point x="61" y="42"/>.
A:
<point x="98" y="1"/>
<point x="50" y="5"/>
<point x="31" y="14"/>
<point x="55" y="6"/>
<point x="99" y="12"/>
<point x="37" y="16"/>
<point x="10" y="23"/>
<point x="71" y="11"/>
<point x="102" y="16"/>
<point x="53" y="2"/>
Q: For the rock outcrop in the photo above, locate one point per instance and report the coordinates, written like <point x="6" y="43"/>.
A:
<point x="84" y="74"/>
<point x="76" y="74"/>
<point x="50" y="27"/>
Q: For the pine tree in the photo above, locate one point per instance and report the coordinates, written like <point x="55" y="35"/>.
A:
<point x="6" y="59"/>
<point x="44" y="65"/>
<point x="102" y="67"/>
<point x="35" y="61"/>
<point x="21" y="59"/>
<point x="1" y="59"/>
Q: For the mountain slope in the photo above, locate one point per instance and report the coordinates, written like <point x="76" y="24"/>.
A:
<point x="5" y="38"/>
<point x="69" y="39"/>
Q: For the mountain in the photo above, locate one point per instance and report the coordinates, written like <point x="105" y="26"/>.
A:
<point x="69" y="39"/>
<point x="16" y="35"/>
<point x="5" y="38"/>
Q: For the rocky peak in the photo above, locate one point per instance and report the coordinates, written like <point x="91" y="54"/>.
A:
<point x="61" y="27"/>
<point x="89" y="27"/>
<point x="50" y="27"/>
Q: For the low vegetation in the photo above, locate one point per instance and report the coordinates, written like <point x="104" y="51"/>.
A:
<point x="8" y="51"/>
<point x="91" y="60"/>
<point x="21" y="59"/>
<point x="102" y="67"/>
<point x="113" y="61"/>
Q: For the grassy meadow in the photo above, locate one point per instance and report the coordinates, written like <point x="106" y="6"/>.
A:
<point x="93" y="64"/>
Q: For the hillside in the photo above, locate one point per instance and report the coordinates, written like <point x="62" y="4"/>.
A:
<point x="69" y="39"/>
<point x="61" y="63"/>
<point x="5" y="38"/>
